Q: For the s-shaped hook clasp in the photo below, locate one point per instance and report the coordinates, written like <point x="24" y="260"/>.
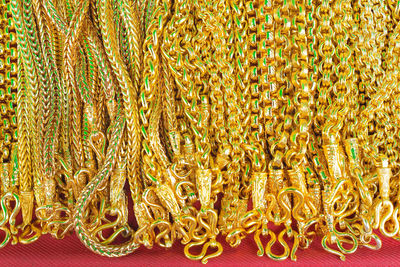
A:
<point x="340" y="239"/>
<point x="207" y="221"/>
<point x="213" y="243"/>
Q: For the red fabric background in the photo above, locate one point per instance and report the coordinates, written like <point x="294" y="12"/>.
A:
<point x="70" y="252"/>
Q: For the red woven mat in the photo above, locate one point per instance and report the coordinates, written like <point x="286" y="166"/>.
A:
<point x="48" y="251"/>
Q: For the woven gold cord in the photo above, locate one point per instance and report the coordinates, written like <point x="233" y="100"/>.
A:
<point x="149" y="122"/>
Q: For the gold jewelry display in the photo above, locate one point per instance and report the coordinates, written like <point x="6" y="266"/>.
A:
<point x="149" y="122"/>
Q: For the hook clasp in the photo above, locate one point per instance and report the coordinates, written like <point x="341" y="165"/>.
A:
<point x="213" y="243"/>
<point x="264" y="231"/>
<point x="164" y="238"/>
<point x="340" y="239"/>
<point x="30" y="233"/>
<point x="10" y="216"/>
<point x="206" y="230"/>
<point x="287" y="251"/>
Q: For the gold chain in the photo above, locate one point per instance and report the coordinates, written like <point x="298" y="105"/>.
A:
<point x="199" y="119"/>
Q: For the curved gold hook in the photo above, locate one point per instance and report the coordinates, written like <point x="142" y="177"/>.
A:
<point x="176" y="175"/>
<point x="149" y="203"/>
<point x="310" y="204"/>
<point x="389" y="215"/>
<point x="214" y="244"/>
<point x="42" y="211"/>
<point x="144" y="236"/>
<point x="234" y="237"/>
<point x="251" y="221"/>
<point x="344" y="210"/>
<point x="58" y="208"/>
<point x="378" y="242"/>
<point x="213" y="217"/>
<point x="305" y="238"/>
<point x="282" y="242"/>
<point x="205" y="245"/>
<point x="98" y="216"/>
<point x="53" y="222"/>
<point x="4" y="211"/>
<point x="185" y="226"/>
<point x="272" y="203"/>
<point x="164" y="234"/>
<point x="284" y="205"/>
<point x="340" y="238"/>
<point x="7" y="236"/>
<point x="298" y="204"/>
<point x="206" y="220"/>
<point x="30" y="233"/>
<point x="179" y="190"/>
<point x="66" y="221"/>
<point x="348" y="197"/>
<point x="264" y="231"/>
<point x="121" y="230"/>
<point x="366" y="234"/>
<point x="14" y="212"/>
<point x="293" y="256"/>
<point x="333" y="251"/>
<point x="257" y="239"/>
<point x="111" y="225"/>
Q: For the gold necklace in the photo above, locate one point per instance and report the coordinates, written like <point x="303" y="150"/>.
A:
<point x="226" y="118"/>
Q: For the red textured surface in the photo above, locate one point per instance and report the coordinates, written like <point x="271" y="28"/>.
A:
<point x="70" y="252"/>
